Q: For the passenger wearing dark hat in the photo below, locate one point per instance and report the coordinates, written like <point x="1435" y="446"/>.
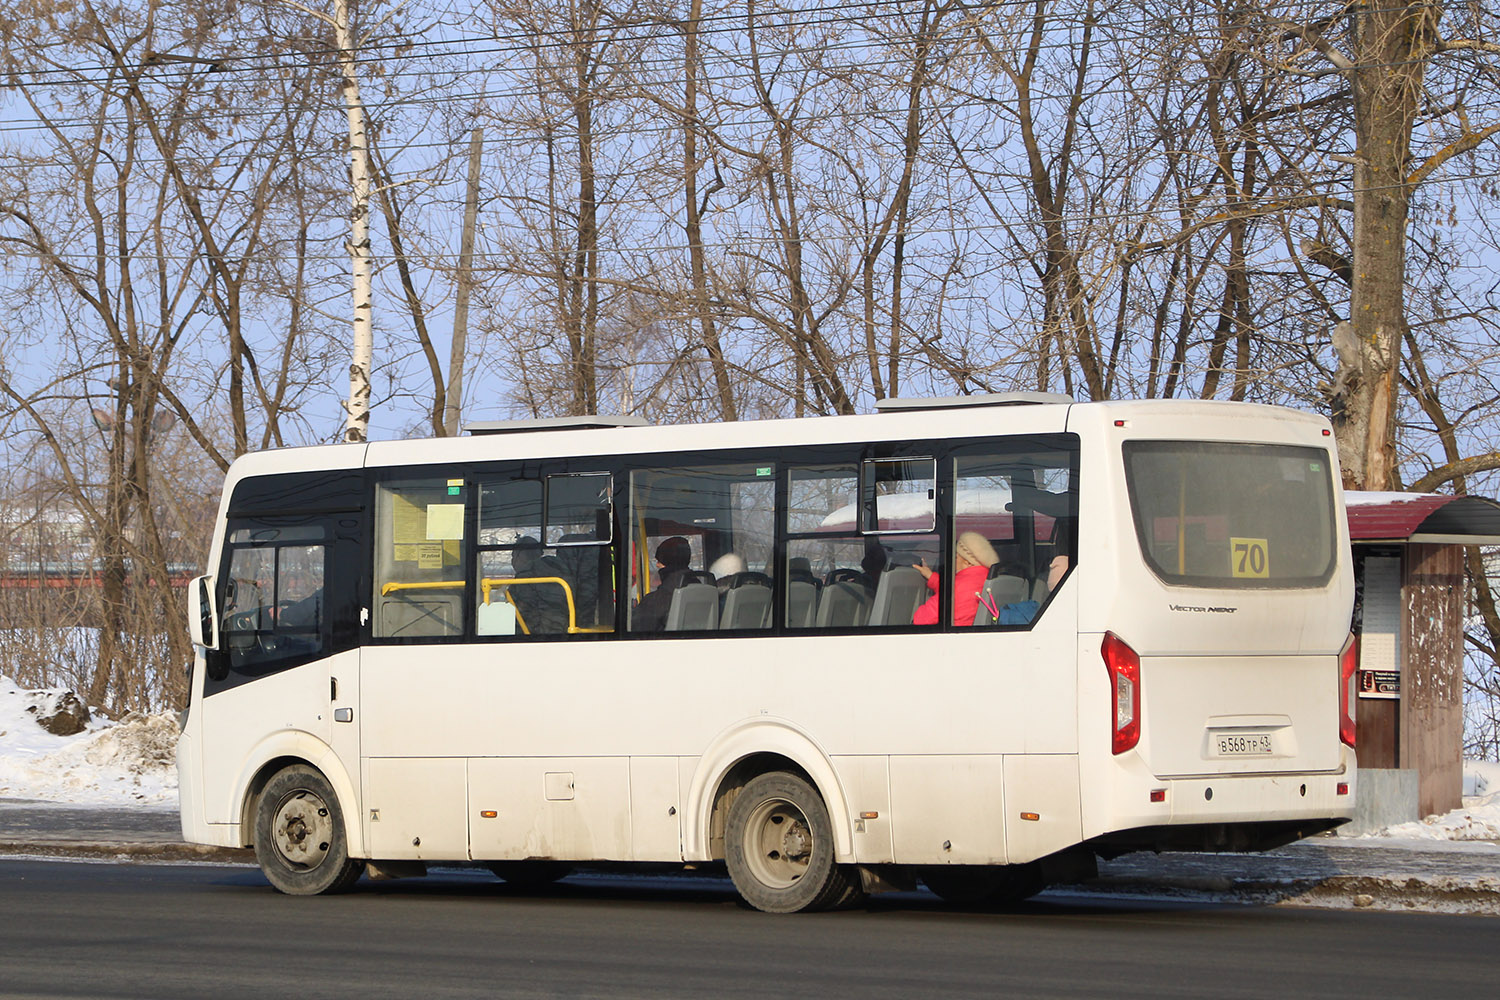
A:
<point x="672" y="558"/>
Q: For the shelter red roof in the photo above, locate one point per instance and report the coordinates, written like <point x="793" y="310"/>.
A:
<point x="1422" y="517"/>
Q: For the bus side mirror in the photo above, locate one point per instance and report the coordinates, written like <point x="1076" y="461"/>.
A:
<point x="201" y="617"/>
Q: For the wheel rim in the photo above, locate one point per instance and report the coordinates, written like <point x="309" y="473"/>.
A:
<point x="780" y="844"/>
<point x="302" y="830"/>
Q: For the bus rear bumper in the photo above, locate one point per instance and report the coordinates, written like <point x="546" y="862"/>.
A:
<point x="1238" y="837"/>
<point x="1224" y="812"/>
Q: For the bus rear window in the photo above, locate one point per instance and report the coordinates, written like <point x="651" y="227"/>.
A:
<point x="1233" y="515"/>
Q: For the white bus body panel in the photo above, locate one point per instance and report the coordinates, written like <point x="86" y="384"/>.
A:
<point x="585" y="703"/>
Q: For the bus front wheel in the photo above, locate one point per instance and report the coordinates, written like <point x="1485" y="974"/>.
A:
<point x="299" y="835"/>
<point x="779" y="848"/>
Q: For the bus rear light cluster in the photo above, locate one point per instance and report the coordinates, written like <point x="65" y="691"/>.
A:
<point x="1348" y="662"/>
<point x="1124" y="668"/>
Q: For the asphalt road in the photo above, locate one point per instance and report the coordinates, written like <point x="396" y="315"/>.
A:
<point x="108" y="930"/>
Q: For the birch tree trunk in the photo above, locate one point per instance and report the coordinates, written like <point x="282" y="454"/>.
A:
<point x="362" y="340"/>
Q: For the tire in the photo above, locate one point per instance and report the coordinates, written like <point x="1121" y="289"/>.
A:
<point x="530" y="874"/>
<point x="779" y="848"/>
<point x="300" y="840"/>
<point x="973" y="885"/>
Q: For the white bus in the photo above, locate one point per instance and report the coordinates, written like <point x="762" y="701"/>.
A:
<point x="975" y="642"/>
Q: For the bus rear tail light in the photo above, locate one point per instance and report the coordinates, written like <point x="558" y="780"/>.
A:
<point x="1124" y="668"/>
<point x="1348" y="662"/>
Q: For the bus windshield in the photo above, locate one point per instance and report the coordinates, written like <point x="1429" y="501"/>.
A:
<point x="1233" y="515"/>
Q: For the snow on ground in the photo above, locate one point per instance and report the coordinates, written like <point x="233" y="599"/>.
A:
<point x="1477" y="819"/>
<point x="129" y="763"/>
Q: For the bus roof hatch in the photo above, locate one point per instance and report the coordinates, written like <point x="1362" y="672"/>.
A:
<point x="556" y="424"/>
<point x="978" y="399"/>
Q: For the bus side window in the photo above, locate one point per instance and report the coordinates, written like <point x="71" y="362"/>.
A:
<point x="1024" y="501"/>
<point x="686" y="520"/>
<point x="855" y="534"/>
<point x="545" y="563"/>
<point x="419" y="554"/>
<point x="578" y="533"/>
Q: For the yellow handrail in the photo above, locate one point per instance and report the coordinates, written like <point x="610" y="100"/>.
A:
<point x="390" y="588"/>
<point x="490" y="582"/>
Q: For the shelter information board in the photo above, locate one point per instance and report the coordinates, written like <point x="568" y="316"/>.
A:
<point x="1380" y="635"/>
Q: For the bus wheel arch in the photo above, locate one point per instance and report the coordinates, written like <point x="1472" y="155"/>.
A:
<point x="743" y="754"/>
<point x="289" y="749"/>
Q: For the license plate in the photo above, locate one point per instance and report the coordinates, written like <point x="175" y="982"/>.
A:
<point x="1243" y="744"/>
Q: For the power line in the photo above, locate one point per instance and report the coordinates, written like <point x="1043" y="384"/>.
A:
<point x="737" y="239"/>
<point x="382" y="54"/>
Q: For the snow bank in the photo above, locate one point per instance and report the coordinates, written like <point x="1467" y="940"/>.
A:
<point x="130" y="763"/>
<point x="1477" y="819"/>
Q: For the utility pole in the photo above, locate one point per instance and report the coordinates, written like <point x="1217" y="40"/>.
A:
<point x="453" y="401"/>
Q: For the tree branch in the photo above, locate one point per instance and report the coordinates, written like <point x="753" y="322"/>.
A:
<point x="1453" y="470"/>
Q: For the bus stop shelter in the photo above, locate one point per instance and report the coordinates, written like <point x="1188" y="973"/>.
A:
<point x="1408" y="614"/>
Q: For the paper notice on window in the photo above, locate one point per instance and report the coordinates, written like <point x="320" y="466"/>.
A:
<point x="408" y="521"/>
<point x="445" y="521"/>
<point x="430" y="556"/>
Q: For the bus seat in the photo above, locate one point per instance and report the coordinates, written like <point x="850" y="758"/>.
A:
<point x="843" y="602"/>
<point x="997" y="592"/>
<point x="694" y="608"/>
<point x="746" y="606"/>
<point x="1039" y="589"/>
<point x="496" y="618"/>
<point x="801" y="604"/>
<point x="900" y="592"/>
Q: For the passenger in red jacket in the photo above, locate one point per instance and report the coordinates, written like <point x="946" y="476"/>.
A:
<point x="973" y="556"/>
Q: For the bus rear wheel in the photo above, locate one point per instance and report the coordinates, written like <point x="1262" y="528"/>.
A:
<point x="779" y="848"/>
<point x="299" y="835"/>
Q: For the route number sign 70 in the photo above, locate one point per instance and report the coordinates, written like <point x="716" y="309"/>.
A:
<point x="1248" y="558"/>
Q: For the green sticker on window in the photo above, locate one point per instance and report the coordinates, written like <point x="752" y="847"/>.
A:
<point x="764" y="471"/>
<point x="1315" y="466"/>
<point x="454" y="491"/>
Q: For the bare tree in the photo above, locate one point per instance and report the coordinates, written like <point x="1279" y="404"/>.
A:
<point x="1385" y="54"/>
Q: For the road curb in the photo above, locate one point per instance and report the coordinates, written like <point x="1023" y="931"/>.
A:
<point x="1446" y="894"/>
<point x="129" y="851"/>
<point x="1441" y="893"/>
